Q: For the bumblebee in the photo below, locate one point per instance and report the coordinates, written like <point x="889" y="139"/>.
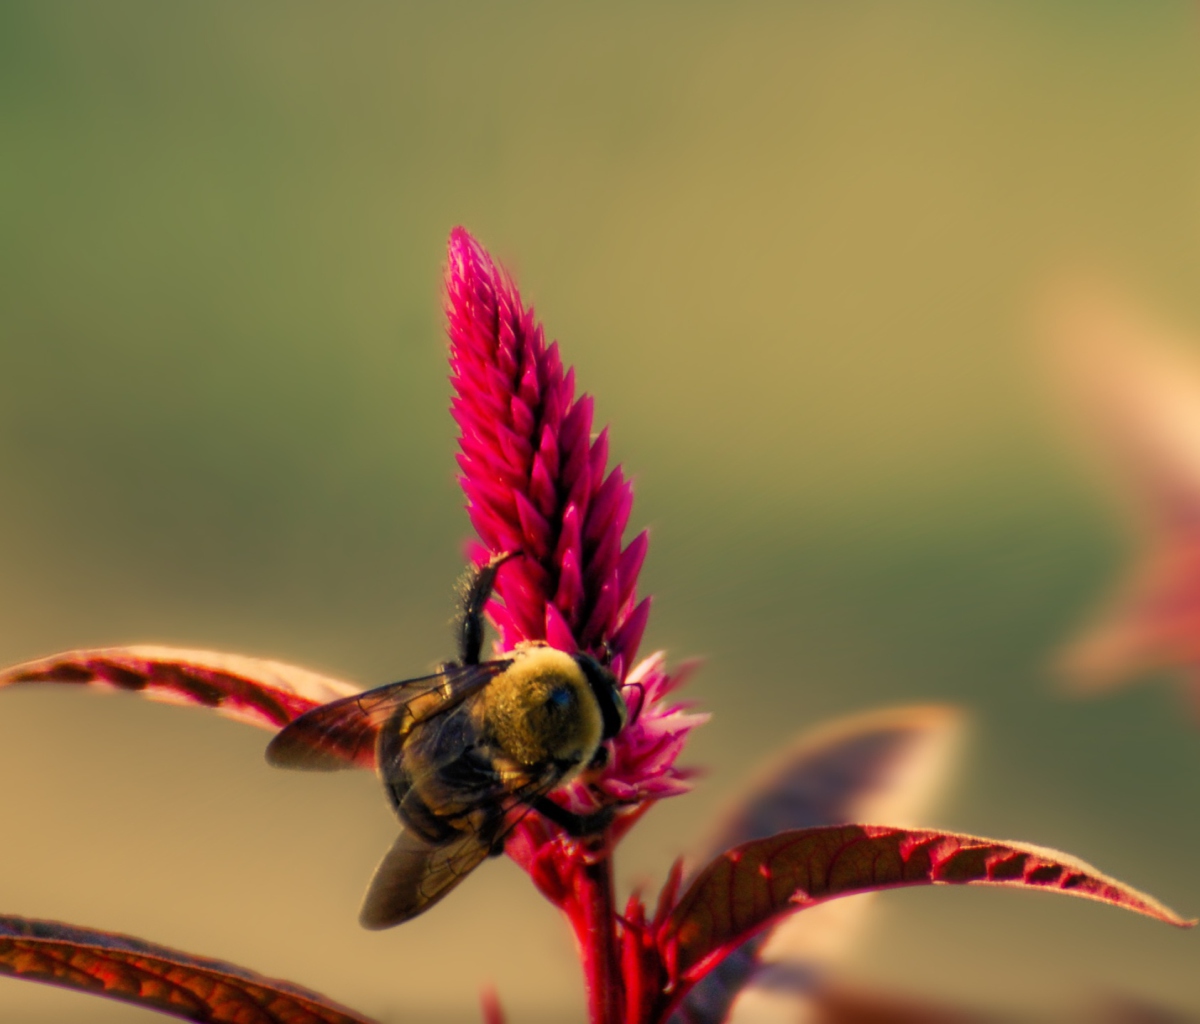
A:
<point x="464" y="753"/>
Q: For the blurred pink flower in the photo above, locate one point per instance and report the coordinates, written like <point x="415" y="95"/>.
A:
<point x="1134" y="387"/>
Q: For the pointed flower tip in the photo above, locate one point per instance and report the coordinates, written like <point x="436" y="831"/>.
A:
<point x="464" y="255"/>
<point x="462" y="244"/>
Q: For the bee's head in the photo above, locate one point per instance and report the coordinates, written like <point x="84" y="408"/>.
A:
<point x="607" y="693"/>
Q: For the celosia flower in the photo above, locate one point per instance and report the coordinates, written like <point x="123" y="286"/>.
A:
<point x="537" y="482"/>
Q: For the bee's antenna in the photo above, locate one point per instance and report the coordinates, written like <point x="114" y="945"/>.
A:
<point x="476" y="589"/>
<point x="641" y="701"/>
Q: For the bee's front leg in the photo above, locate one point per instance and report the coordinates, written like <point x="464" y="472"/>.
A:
<point x="476" y="589"/>
<point x="575" y="825"/>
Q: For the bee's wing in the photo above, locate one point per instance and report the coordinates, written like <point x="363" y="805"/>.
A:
<point x="342" y="733"/>
<point x="415" y="873"/>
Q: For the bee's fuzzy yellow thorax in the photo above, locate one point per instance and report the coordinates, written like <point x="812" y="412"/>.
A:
<point x="541" y="708"/>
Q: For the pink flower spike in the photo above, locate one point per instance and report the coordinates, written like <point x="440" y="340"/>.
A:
<point x="535" y="479"/>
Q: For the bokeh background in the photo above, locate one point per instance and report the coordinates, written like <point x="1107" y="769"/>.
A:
<point x="790" y="249"/>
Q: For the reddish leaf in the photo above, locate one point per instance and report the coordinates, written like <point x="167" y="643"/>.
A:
<point x="157" y="978"/>
<point x="878" y="766"/>
<point x="268" y="694"/>
<point x="750" y="886"/>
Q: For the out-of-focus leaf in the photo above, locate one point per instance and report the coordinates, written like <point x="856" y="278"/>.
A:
<point x="1152" y="622"/>
<point x="157" y="978"/>
<point x="748" y="887"/>
<point x="268" y="694"/>
<point x="841" y="1004"/>
<point x="873" y="766"/>
<point x="493" y="1012"/>
<point x="878" y="766"/>
<point x="1134" y="389"/>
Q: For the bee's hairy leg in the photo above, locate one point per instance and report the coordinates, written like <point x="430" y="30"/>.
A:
<point x="575" y="825"/>
<point x="476" y="589"/>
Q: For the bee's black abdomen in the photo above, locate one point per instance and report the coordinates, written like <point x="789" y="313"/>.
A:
<point x="418" y="818"/>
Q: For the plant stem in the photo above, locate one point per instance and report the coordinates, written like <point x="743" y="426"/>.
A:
<point x="595" y="928"/>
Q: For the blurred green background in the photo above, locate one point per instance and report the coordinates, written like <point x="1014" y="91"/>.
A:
<point x="789" y="247"/>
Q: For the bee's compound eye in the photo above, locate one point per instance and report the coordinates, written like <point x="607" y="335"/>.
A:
<point x="559" y="699"/>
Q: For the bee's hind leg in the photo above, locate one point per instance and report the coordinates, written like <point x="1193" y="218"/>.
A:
<point x="575" y="825"/>
<point x="476" y="589"/>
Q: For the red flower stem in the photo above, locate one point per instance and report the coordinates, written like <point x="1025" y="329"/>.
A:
<point x="595" y="928"/>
